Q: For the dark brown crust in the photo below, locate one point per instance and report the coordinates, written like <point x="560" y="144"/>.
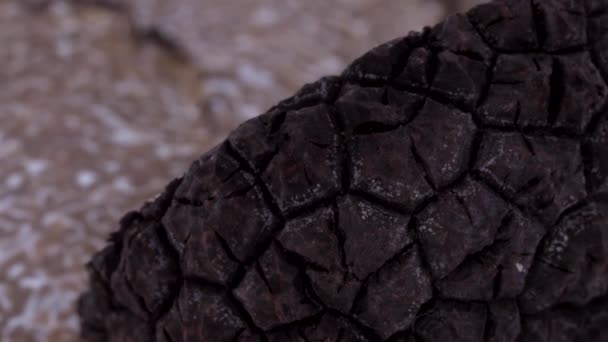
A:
<point x="451" y="185"/>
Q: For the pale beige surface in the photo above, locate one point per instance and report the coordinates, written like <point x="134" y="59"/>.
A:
<point x="97" y="115"/>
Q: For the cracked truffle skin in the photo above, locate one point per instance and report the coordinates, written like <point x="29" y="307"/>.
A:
<point x="451" y="185"/>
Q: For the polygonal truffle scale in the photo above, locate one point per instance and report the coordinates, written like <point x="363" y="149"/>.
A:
<point x="366" y="227"/>
<point x="469" y="215"/>
<point x="398" y="179"/>
<point x="446" y="159"/>
<point x="395" y="294"/>
<point x="313" y="238"/>
<point x="305" y="169"/>
<point x="146" y="257"/>
<point x="268" y="294"/>
<point x="200" y="313"/>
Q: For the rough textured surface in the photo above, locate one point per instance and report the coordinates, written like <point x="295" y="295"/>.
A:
<point x="496" y="228"/>
<point x="100" y="108"/>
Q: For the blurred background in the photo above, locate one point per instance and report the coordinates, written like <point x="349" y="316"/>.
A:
<point x="102" y="102"/>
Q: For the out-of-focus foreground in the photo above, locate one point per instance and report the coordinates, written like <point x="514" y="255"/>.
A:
<point x="102" y="102"/>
